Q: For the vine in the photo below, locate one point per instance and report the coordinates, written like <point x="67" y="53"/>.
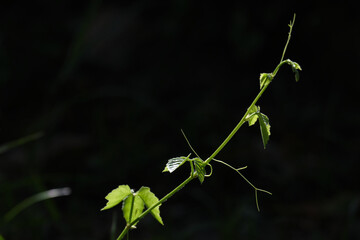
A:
<point x="134" y="202"/>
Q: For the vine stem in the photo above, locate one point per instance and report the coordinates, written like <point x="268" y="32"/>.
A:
<point x="289" y="36"/>
<point x="131" y="210"/>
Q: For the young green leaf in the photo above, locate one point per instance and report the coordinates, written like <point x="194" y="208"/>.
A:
<point x="116" y="196"/>
<point x="133" y="206"/>
<point x="264" y="128"/>
<point x="150" y="199"/>
<point x="295" y="67"/>
<point x="265" y="79"/>
<point x="174" y="163"/>
<point x="200" y="169"/>
<point x="252" y="117"/>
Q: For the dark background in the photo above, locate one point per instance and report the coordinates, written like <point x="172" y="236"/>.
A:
<point x="111" y="83"/>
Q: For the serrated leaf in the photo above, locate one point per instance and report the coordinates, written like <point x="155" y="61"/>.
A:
<point x="150" y="199"/>
<point x="200" y="169"/>
<point x="252" y="117"/>
<point x="137" y="207"/>
<point x="174" y="163"/>
<point x="265" y="79"/>
<point x="116" y="196"/>
<point x="264" y="128"/>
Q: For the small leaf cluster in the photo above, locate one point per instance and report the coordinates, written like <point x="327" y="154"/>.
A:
<point x="133" y="202"/>
<point x="254" y="115"/>
<point x="265" y="79"/>
<point x="295" y="67"/>
<point x="197" y="166"/>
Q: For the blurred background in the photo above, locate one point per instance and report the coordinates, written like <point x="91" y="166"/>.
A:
<point x="108" y="85"/>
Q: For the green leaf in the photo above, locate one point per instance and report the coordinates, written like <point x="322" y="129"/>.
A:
<point x="295" y="67"/>
<point x="150" y="199"/>
<point x="116" y="196"/>
<point x="136" y="204"/>
<point x="252" y="116"/>
<point x="265" y="79"/>
<point x="200" y="169"/>
<point x="264" y="128"/>
<point x="255" y="114"/>
<point x="174" y="163"/>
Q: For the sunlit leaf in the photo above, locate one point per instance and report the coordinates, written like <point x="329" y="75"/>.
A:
<point x="252" y="116"/>
<point x="150" y="199"/>
<point x="116" y="196"/>
<point x="136" y="204"/>
<point x="174" y="163"/>
<point x="200" y="169"/>
<point x="295" y="67"/>
<point x="264" y="128"/>
<point x="265" y="79"/>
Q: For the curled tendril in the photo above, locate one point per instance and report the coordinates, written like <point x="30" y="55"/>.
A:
<point x="211" y="170"/>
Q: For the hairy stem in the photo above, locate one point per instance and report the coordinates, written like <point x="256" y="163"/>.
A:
<point x="289" y="36"/>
